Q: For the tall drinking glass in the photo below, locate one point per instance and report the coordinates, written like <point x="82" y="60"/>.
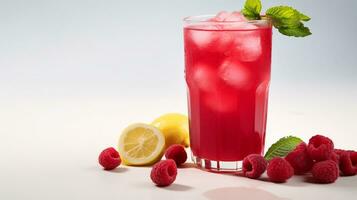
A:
<point x="227" y="70"/>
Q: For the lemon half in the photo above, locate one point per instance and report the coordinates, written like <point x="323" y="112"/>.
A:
<point x="141" y="144"/>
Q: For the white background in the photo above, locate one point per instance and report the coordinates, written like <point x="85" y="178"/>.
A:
<point x="73" y="74"/>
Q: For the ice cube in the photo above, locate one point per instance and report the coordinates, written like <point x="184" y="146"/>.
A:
<point x="225" y="16"/>
<point x="202" y="38"/>
<point x="221" y="16"/>
<point x="236" y="21"/>
<point x="234" y="74"/>
<point x="211" y="40"/>
<point x="205" y="77"/>
<point x="235" y="17"/>
<point x="248" y="45"/>
<point x="221" y="100"/>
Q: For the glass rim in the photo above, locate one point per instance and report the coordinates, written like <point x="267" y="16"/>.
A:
<point x="203" y="19"/>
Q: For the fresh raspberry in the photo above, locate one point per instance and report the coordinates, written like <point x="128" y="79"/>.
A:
<point x="325" y="171"/>
<point x="335" y="157"/>
<point x="177" y="153"/>
<point x="254" y="165"/>
<point x="279" y="170"/>
<point x="164" y="172"/>
<point x="109" y="158"/>
<point x="299" y="159"/>
<point x="320" y="148"/>
<point x="338" y="151"/>
<point x="348" y="163"/>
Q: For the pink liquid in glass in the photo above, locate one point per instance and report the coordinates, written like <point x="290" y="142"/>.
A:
<point x="227" y="70"/>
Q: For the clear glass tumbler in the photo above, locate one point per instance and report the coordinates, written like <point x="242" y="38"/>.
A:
<point x="227" y="70"/>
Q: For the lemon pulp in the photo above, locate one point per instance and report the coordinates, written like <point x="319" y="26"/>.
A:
<point x="141" y="144"/>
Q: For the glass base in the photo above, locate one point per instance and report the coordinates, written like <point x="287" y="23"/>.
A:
<point x="217" y="166"/>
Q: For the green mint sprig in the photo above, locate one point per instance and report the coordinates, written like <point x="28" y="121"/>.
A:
<point x="289" y="21"/>
<point x="282" y="147"/>
<point x="252" y="9"/>
<point x="286" y="19"/>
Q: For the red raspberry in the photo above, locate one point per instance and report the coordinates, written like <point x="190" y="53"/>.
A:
<point x="164" y="172"/>
<point x="348" y="163"/>
<point x="279" y="170"/>
<point x="254" y="165"/>
<point x="177" y="153"/>
<point x="299" y="159"/>
<point x="320" y="148"/>
<point x="109" y="158"/>
<point x="325" y="171"/>
<point x="338" y="151"/>
<point x="336" y="158"/>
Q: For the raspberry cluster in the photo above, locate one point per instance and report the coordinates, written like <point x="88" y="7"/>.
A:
<point x="329" y="163"/>
<point x="319" y="157"/>
<point x="162" y="173"/>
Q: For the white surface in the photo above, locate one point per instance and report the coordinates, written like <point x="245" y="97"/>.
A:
<point x="49" y="147"/>
<point x="73" y="73"/>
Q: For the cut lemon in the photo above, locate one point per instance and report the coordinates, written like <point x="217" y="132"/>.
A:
<point x="174" y="126"/>
<point x="141" y="144"/>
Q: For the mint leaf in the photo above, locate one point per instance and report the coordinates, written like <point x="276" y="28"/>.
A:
<point x="252" y="9"/>
<point x="282" y="147"/>
<point x="304" y="17"/>
<point x="289" y="21"/>
<point x="284" y="16"/>
<point x="300" y="31"/>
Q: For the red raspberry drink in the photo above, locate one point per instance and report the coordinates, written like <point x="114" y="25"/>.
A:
<point x="227" y="72"/>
